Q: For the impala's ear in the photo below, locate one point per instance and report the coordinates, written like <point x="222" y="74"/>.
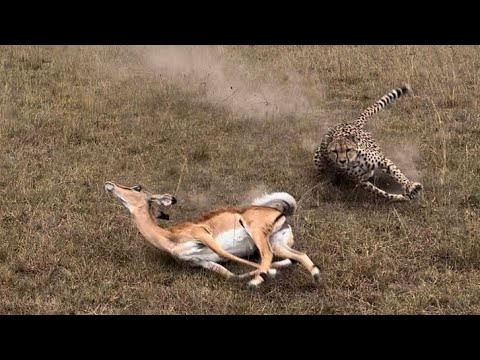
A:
<point x="165" y="199"/>
<point x="156" y="210"/>
<point x="163" y="216"/>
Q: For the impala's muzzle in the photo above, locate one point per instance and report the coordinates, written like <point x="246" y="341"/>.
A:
<point x="109" y="186"/>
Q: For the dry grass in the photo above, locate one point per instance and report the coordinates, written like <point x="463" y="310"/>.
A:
<point x="230" y="122"/>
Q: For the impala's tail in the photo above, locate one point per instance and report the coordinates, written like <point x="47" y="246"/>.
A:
<point x="387" y="99"/>
<point x="283" y="202"/>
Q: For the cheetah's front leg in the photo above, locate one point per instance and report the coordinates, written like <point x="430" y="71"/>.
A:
<point x="410" y="188"/>
<point x="320" y="161"/>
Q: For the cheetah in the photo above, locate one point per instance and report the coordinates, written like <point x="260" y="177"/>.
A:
<point x="349" y="150"/>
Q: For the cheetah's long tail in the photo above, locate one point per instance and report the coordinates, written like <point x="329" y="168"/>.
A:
<point x="387" y="99"/>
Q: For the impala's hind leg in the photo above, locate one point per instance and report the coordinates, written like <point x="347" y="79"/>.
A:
<point x="266" y="254"/>
<point x="281" y="264"/>
<point x="284" y="251"/>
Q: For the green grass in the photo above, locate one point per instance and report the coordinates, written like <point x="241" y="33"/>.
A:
<point x="216" y="126"/>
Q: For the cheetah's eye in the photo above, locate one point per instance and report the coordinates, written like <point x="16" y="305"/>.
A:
<point x="349" y="150"/>
<point x="334" y="151"/>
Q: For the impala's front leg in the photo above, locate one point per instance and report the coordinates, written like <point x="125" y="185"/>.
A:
<point x="272" y="272"/>
<point x="219" y="269"/>
<point x="213" y="266"/>
<point x="205" y="237"/>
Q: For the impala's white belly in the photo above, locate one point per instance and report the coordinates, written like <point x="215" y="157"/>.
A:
<point x="283" y="237"/>
<point x="236" y="242"/>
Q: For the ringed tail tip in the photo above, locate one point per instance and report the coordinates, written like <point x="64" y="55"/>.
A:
<point x="406" y="88"/>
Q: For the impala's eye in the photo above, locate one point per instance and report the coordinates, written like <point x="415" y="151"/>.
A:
<point x="137" y="188"/>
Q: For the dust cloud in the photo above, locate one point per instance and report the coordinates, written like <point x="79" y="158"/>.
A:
<point x="253" y="193"/>
<point x="404" y="156"/>
<point x="246" y="88"/>
<point x="200" y="200"/>
<point x="259" y="90"/>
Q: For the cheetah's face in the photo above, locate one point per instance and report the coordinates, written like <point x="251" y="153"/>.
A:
<point x="342" y="151"/>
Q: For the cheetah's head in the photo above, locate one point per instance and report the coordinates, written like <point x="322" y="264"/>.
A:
<point x="342" y="150"/>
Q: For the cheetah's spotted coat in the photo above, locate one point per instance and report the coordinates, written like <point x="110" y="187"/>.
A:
<point x="351" y="151"/>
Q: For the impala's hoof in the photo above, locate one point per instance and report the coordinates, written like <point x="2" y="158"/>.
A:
<point x="272" y="273"/>
<point x="316" y="275"/>
<point x="255" y="283"/>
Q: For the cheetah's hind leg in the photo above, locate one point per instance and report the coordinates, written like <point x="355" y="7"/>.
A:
<point x="367" y="185"/>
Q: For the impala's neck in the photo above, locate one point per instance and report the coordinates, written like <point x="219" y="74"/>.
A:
<point x="153" y="233"/>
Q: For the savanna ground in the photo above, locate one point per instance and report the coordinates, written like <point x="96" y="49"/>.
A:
<point x="216" y="126"/>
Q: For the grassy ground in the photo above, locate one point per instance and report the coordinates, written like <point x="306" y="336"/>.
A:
<point x="216" y="126"/>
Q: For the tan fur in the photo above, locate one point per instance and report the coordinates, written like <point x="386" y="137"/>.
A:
<point x="260" y="222"/>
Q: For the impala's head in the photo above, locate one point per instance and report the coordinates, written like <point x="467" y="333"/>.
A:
<point x="135" y="197"/>
<point x="342" y="150"/>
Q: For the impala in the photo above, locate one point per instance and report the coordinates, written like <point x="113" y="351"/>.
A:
<point x="220" y="235"/>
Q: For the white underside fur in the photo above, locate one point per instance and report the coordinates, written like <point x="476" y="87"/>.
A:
<point x="236" y="242"/>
